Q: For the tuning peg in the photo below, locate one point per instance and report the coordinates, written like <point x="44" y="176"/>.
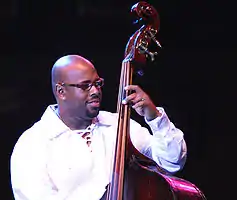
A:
<point x="142" y="47"/>
<point x="151" y="33"/>
<point x="152" y="55"/>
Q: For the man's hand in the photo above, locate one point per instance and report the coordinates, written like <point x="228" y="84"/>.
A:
<point x="141" y="102"/>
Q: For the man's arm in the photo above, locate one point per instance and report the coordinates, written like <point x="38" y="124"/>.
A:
<point x="29" y="177"/>
<point x="166" y="145"/>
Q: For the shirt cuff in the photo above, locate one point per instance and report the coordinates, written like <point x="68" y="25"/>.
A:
<point x="159" y="123"/>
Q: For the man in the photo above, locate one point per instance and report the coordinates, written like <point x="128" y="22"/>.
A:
<point x="67" y="154"/>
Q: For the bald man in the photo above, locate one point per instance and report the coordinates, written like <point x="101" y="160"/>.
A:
<point x="67" y="154"/>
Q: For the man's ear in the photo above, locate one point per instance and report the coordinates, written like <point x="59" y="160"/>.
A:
<point x="60" y="91"/>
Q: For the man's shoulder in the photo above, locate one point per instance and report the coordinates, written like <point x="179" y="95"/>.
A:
<point x="40" y="128"/>
<point x="107" y="113"/>
<point x="31" y="137"/>
<point x="26" y="144"/>
<point x="106" y="117"/>
<point x="29" y="132"/>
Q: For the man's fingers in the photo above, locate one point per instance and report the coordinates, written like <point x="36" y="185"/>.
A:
<point x="133" y="87"/>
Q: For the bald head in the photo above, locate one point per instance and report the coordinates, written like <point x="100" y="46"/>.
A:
<point x="65" y="68"/>
<point x="67" y="63"/>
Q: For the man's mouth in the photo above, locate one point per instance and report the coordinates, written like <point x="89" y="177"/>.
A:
<point x="94" y="102"/>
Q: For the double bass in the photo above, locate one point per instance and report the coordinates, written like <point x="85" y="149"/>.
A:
<point x="134" y="175"/>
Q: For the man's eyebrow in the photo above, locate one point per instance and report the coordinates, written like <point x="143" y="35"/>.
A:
<point x="85" y="81"/>
<point x="89" y="81"/>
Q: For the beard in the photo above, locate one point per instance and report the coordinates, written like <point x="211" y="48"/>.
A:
<point x="92" y="113"/>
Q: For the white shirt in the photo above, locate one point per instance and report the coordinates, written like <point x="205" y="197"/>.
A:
<point x="52" y="162"/>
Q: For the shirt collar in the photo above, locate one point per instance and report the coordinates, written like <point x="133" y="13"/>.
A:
<point x="57" y="127"/>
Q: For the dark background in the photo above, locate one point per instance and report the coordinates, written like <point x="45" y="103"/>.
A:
<point x="193" y="77"/>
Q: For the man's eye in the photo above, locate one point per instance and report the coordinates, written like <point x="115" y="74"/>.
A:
<point x="84" y="86"/>
<point x="98" y="83"/>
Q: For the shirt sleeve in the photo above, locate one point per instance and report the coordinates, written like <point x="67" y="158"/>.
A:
<point x="166" y="145"/>
<point x="29" y="178"/>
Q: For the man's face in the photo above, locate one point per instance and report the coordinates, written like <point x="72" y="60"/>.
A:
<point x="80" y="103"/>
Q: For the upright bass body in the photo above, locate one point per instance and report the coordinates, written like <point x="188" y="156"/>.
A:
<point x="135" y="176"/>
<point x="144" y="183"/>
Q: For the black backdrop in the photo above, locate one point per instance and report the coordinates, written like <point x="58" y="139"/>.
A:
<point x="193" y="77"/>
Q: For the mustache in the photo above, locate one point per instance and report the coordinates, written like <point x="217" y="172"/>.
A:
<point x="95" y="97"/>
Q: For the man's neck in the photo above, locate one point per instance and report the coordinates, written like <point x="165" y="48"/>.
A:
<point x="73" y="122"/>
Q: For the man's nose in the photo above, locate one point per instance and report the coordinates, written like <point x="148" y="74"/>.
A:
<point x="95" y="89"/>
